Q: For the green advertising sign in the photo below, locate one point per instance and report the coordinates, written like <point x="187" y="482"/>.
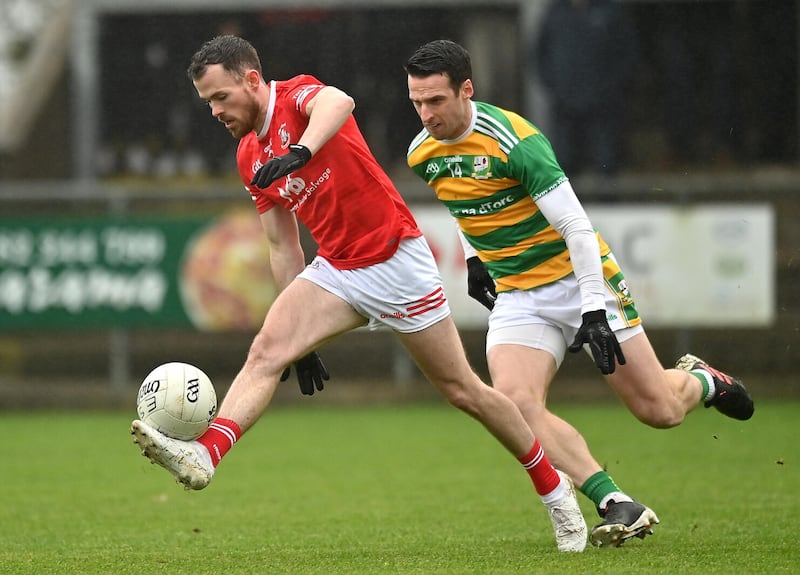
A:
<point x="117" y="273"/>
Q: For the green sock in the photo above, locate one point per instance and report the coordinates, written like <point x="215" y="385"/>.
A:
<point x="598" y="486"/>
<point x="708" y="387"/>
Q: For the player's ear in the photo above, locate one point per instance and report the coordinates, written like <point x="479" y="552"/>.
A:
<point x="467" y="90"/>
<point x="252" y="78"/>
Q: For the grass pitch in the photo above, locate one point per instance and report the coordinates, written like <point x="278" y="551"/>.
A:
<point x="416" y="489"/>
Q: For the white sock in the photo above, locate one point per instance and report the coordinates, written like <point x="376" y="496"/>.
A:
<point x="709" y="380"/>
<point x="556" y="494"/>
<point x="617" y="496"/>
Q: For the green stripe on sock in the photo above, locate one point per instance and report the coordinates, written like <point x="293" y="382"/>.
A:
<point x="598" y="486"/>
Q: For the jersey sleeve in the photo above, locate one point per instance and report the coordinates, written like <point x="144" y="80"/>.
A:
<point x="263" y="203"/>
<point x="301" y="89"/>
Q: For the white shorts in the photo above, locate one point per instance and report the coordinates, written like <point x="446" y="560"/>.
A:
<point x="404" y="293"/>
<point x="548" y="317"/>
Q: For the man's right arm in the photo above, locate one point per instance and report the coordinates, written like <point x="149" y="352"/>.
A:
<point x="287" y="259"/>
<point x="480" y="285"/>
<point x="285" y="251"/>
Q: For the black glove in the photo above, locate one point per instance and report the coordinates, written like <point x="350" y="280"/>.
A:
<point x="280" y="166"/>
<point x="602" y="342"/>
<point x="480" y="285"/>
<point x="310" y="373"/>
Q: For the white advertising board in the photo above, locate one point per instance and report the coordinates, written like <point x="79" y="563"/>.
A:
<point x="702" y="265"/>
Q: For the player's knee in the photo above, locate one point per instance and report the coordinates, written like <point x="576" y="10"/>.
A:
<point x="526" y="399"/>
<point x="459" y="396"/>
<point x="461" y="400"/>
<point x="264" y="357"/>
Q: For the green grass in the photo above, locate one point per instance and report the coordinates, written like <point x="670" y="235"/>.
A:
<point x="408" y="489"/>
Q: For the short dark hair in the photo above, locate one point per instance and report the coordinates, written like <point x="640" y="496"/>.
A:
<point x="441" y="57"/>
<point x="235" y="54"/>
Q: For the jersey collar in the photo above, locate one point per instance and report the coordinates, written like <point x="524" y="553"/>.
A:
<point x="270" y="110"/>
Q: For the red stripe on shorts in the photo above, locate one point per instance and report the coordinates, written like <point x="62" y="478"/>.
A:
<point x="429" y="302"/>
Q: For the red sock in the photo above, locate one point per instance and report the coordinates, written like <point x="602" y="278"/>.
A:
<point x="220" y="437"/>
<point x="544" y="476"/>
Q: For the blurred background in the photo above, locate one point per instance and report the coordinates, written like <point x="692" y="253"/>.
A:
<point x="126" y="239"/>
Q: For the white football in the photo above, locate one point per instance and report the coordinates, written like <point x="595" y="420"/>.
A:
<point x="178" y="399"/>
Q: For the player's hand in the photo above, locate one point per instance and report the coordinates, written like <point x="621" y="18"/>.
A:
<point x="602" y="342"/>
<point x="310" y="373"/>
<point x="280" y="166"/>
<point x="480" y="285"/>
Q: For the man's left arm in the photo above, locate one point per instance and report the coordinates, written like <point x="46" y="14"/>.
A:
<point x="561" y="207"/>
<point x="327" y="111"/>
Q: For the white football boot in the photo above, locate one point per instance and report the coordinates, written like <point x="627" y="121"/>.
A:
<point x="568" y="521"/>
<point x="188" y="461"/>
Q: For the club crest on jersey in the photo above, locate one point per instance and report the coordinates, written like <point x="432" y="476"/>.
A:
<point x="480" y="167"/>
<point x="285" y="136"/>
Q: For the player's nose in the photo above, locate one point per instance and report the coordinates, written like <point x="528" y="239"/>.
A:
<point x="425" y="115"/>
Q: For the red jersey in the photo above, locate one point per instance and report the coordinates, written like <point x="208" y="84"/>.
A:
<point x="342" y="195"/>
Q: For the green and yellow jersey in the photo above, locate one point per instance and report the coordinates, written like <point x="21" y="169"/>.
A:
<point x="490" y="180"/>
